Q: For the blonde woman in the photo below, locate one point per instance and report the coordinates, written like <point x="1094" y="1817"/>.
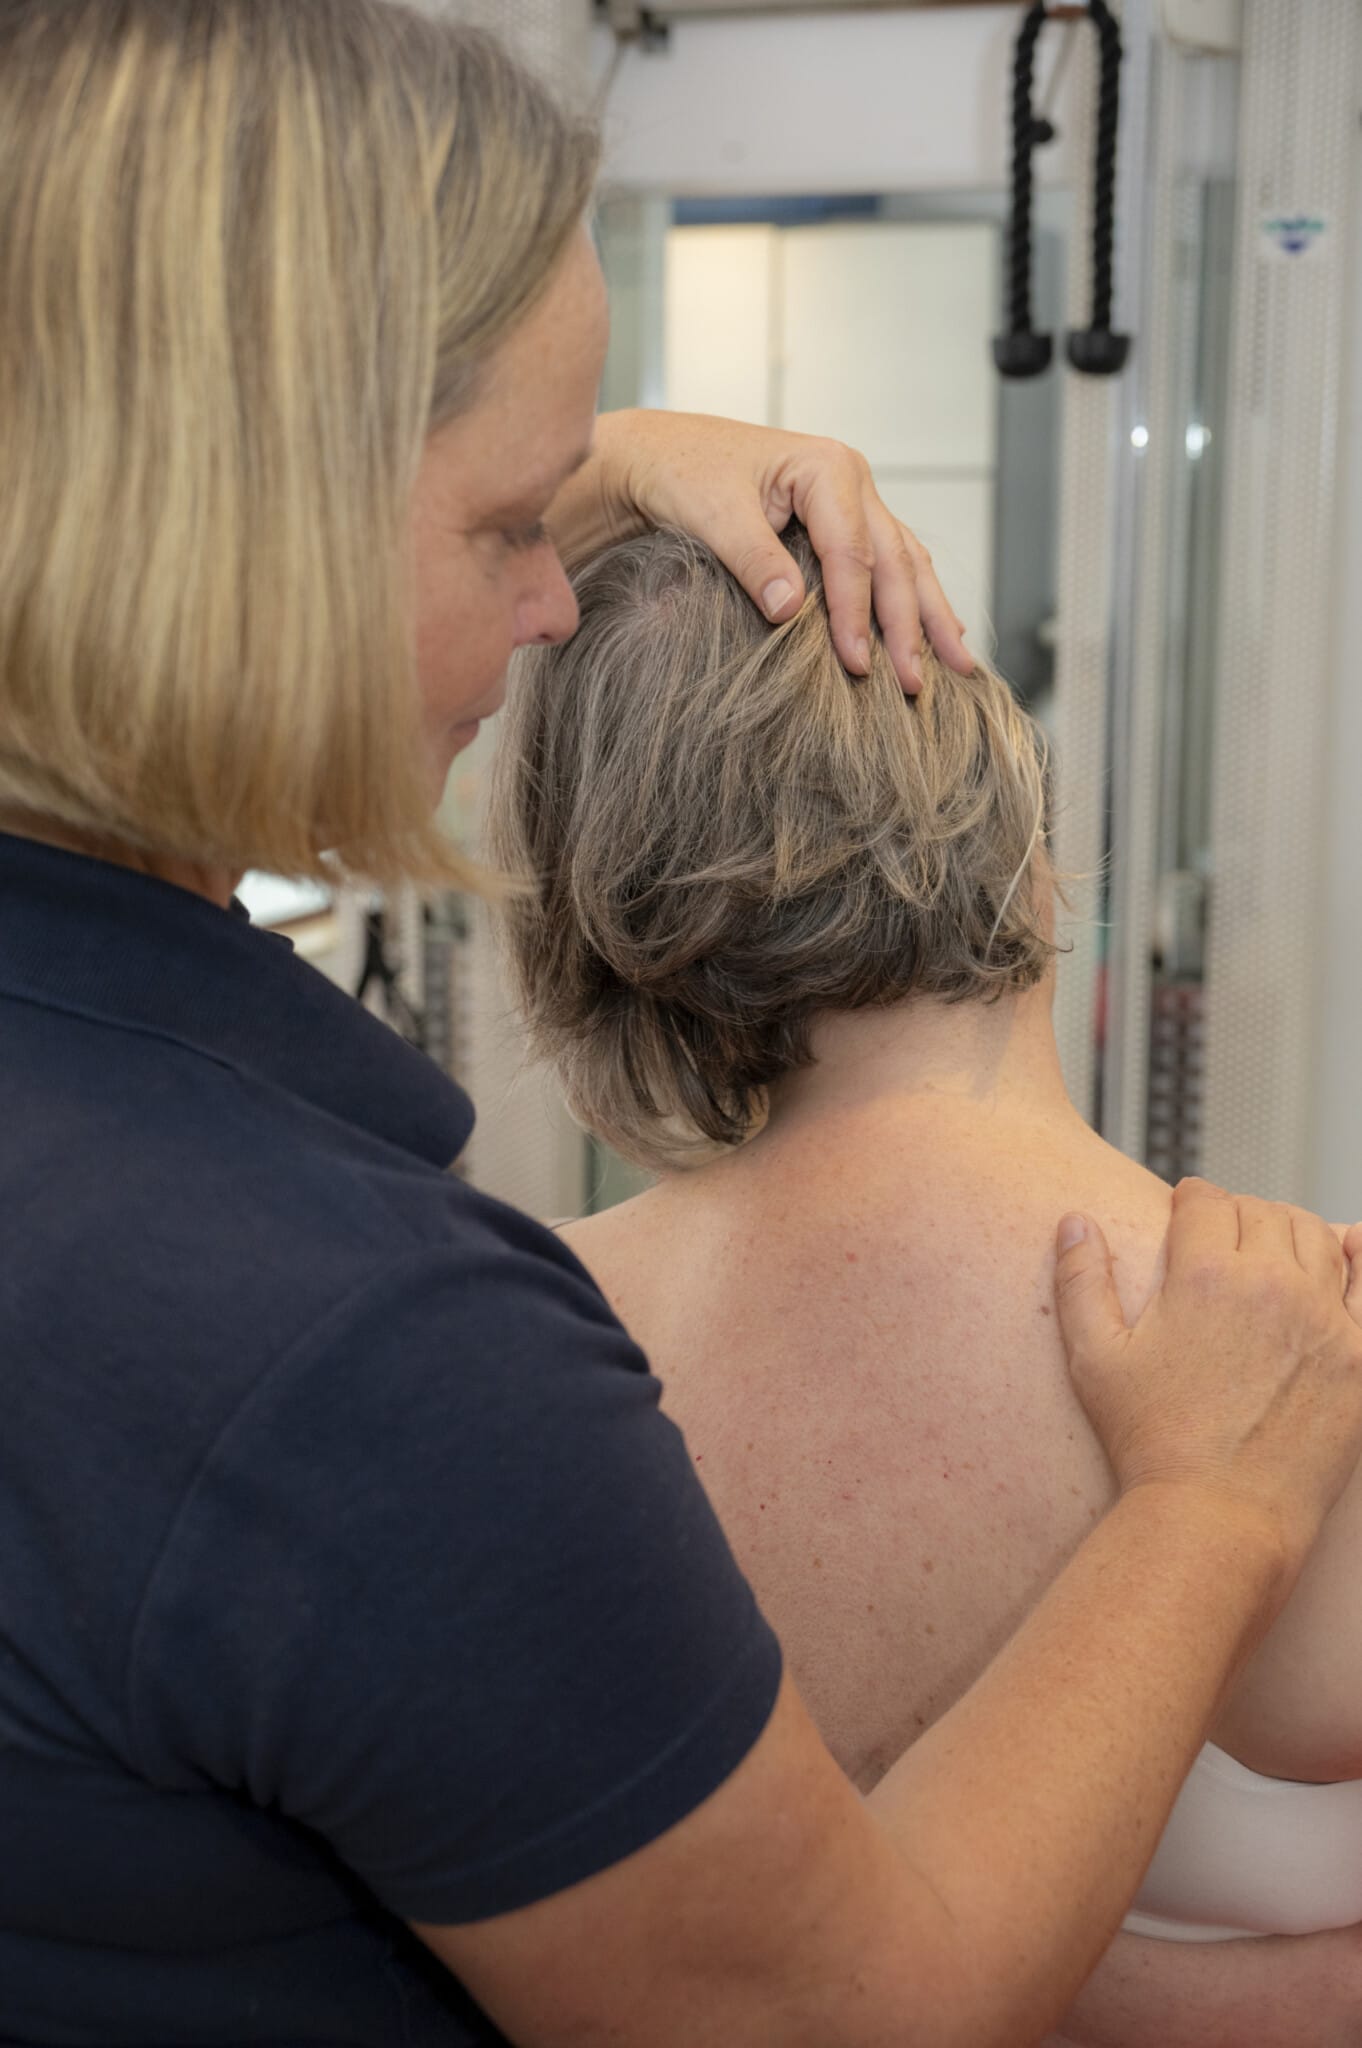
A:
<point x="791" y="947"/>
<point x="372" y="1666"/>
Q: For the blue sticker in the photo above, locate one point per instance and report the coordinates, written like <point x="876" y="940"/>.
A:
<point x="1292" y="236"/>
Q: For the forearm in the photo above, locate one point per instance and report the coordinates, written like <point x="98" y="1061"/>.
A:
<point x="1293" y="1992"/>
<point x="1033" y="1808"/>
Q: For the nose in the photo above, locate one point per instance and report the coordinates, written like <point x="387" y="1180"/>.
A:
<point x="548" y="614"/>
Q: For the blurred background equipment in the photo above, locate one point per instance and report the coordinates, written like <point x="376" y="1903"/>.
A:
<point x="1095" y="350"/>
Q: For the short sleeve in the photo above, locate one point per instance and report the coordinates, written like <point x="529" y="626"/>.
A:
<point x="447" y="1591"/>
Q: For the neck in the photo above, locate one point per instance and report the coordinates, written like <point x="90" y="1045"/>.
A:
<point x="988" y="1055"/>
<point x="219" y="885"/>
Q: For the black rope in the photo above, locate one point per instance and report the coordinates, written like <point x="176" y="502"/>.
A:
<point x="1104" y="176"/>
<point x="1021" y="352"/>
<point x="1094" y="349"/>
<point x="1023" y="143"/>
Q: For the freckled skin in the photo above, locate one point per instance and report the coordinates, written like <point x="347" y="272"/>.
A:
<point x="917" y="1425"/>
<point x="853" y="1321"/>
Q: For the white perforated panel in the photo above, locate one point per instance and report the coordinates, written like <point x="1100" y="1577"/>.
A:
<point x="1080" y="713"/>
<point x="1301" y="70"/>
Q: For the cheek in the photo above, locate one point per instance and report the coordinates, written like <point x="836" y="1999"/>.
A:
<point x="464" y="640"/>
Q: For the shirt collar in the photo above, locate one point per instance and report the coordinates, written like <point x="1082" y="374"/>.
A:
<point x="126" y="949"/>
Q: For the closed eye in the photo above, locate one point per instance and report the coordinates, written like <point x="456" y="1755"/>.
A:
<point x="527" y="537"/>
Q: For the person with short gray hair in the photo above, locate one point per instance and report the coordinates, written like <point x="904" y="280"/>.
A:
<point x="787" y="939"/>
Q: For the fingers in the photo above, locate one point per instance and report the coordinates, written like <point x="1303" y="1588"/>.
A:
<point x="749" y="549"/>
<point x="1265" y="1231"/>
<point x="832" y="507"/>
<point x="1090" y="1315"/>
<point x="1317" y="1249"/>
<point x="1352" y="1252"/>
<point x="909" y="601"/>
<point x="871" y="560"/>
<point x="737" y="486"/>
<point x="1204" y="1226"/>
<point x="939" y="622"/>
<point x="895" y="589"/>
<point x="872" y="565"/>
<point x="1207" y="1223"/>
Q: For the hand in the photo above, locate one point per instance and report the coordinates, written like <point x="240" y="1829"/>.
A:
<point x="736" y="488"/>
<point x="1244" y="1373"/>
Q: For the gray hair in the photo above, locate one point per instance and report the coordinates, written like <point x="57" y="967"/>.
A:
<point x="724" y="835"/>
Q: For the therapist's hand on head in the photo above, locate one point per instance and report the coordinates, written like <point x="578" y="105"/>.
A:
<point x="1242" y="1377"/>
<point x="736" y="488"/>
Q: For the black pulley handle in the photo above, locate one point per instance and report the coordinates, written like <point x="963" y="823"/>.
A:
<point x="1021" y="352"/>
<point x="1096" y="350"/>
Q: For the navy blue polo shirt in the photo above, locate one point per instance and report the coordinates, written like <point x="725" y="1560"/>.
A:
<point x="351" y="1574"/>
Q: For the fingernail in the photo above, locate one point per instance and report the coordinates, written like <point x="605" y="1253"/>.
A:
<point x="863" y="655"/>
<point x="1073" y="1230"/>
<point x="915" y="670"/>
<point x="776" y="596"/>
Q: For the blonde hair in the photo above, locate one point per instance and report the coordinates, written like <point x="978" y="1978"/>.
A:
<point x="252" y="252"/>
<point x="725" y="836"/>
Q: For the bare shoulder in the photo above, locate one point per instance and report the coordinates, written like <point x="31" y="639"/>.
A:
<point x="590" y="1236"/>
<point x="642" y="1254"/>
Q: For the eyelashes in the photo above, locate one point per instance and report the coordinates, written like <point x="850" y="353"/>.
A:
<point x="525" y="538"/>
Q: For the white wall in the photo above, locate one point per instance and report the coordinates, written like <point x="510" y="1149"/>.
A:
<point x="851" y="102"/>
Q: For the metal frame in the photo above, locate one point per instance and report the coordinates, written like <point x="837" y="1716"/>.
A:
<point x="1091" y="472"/>
<point x="1144" y="489"/>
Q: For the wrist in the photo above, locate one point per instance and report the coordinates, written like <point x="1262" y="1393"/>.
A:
<point x="1246" y="1540"/>
<point x="598" y="507"/>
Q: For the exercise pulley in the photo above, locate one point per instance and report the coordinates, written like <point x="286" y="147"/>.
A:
<point x="1096" y="350"/>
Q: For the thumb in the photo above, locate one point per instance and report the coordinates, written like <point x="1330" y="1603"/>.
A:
<point x="1090" y="1313"/>
<point x="1352" y="1252"/>
<point x="767" y="572"/>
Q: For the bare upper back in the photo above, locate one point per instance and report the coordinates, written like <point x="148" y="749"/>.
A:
<point x="854" y="1326"/>
<point x="857" y="1337"/>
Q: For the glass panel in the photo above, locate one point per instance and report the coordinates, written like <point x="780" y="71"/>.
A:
<point x="1193" y="520"/>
